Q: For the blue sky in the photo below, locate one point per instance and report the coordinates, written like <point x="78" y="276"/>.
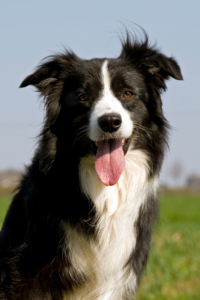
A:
<point x="32" y="30"/>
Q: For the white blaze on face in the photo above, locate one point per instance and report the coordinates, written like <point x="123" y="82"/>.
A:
<point x="109" y="160"/>
<point x="109" y="104"/>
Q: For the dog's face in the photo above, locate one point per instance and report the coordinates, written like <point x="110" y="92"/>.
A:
<point x="107" y="106"/>
<point x="104" y="99"/>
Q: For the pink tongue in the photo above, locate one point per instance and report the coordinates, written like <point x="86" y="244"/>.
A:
<point x="109" y="161"/>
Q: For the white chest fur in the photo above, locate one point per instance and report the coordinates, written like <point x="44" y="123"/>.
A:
<point x="117" y="206"/>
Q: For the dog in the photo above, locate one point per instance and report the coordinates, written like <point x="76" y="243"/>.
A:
<point x="79" y="226"/>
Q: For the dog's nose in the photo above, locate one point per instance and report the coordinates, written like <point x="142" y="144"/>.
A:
<point x="110" y="122"/>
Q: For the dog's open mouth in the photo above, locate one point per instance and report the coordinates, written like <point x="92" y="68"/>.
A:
<point x="109" y="159"/>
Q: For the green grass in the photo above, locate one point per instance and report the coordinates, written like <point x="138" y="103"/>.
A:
<point x="173" y="269"/>
<point x="4" y="204"/>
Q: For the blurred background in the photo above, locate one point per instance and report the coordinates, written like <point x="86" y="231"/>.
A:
<point x="32" y="30"/>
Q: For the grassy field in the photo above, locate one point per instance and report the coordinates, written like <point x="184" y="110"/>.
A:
<point x="173" y="270"/>
<point x="4" y="203"/>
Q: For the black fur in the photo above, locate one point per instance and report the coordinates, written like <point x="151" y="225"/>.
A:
<point x="34" y="260"/>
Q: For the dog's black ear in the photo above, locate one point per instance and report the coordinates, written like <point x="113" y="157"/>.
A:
<point x="45" y="74"/>
<point x="156" y="66"/>
<point x="46" y="71"/>
<point x="157" y="63"/>
<point x="50" y="73"/>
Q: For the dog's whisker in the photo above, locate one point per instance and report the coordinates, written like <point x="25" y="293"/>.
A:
<point x="142" y="127"/>
<point x="80" y="130"/>
<point x="79" y="138"/>
<point x="145" y="130"/>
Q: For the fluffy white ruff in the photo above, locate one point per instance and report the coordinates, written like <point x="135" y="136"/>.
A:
<point x="108" y="104"/>
<point x="103" y="260"/>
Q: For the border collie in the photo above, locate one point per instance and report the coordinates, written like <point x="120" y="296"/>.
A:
<point x="79" y="226"/>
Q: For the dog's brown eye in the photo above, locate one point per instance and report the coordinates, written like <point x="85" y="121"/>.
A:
<point x="83" y="97"/>
<point x="127" y="94"/>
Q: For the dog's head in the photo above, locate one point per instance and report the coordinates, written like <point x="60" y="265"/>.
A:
<point x="106" y="106"/>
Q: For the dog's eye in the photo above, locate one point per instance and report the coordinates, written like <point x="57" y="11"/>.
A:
<point x="83" y="97"/>
<point x="127" y="94"/>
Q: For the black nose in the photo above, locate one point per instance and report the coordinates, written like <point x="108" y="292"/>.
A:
<point x="110" y="122"/>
